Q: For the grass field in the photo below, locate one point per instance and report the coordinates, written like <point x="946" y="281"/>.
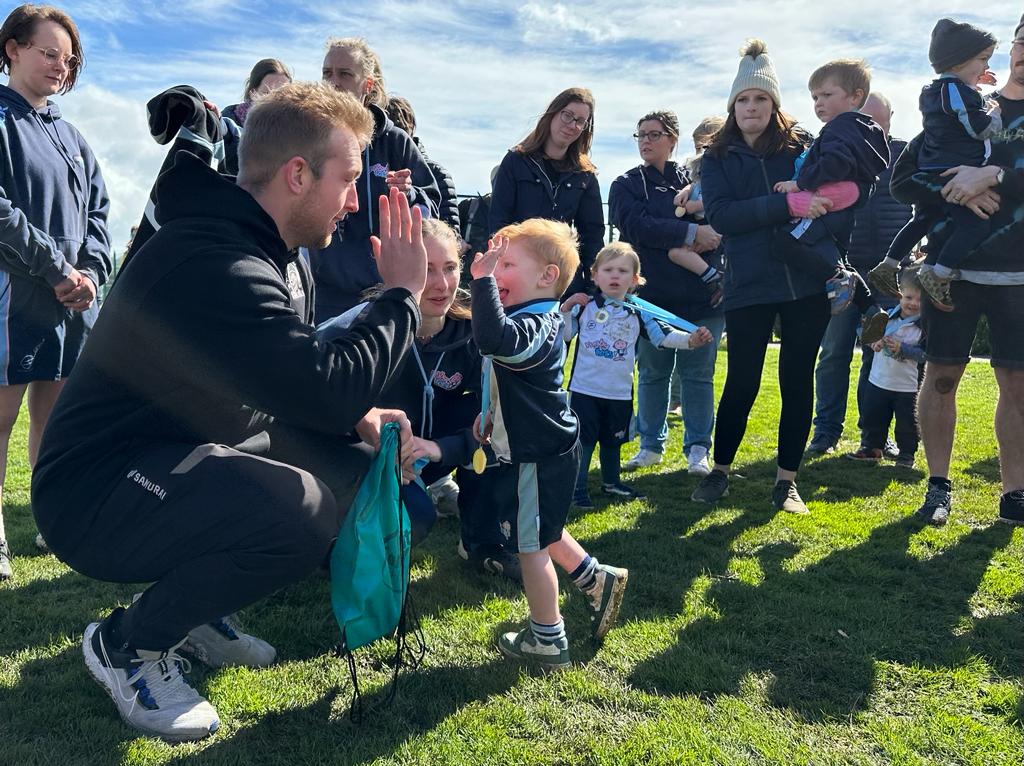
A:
<point x="850" y="636"/>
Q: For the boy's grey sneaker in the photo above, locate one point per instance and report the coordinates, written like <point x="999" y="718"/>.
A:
<point x="905" y="461"/>
<point x="1011" y="508"/>
<point x="872" y="329"/>
<point x="786" y="498"/>
<point x="885" y="278"/>
<point x="936" y="288"/>
<point x="711" y="488"/>
<point x="840" y="290"/>
<point x="605" y="597"/>
<point x="222" y="644"/>
<point x="526" y="647"/>
<point x="938" y="503"/>
<point x="6" y="570"/>
<point x="642" y="459"/>
<point x="149" y="690"/>
<point x="822" y="445"/>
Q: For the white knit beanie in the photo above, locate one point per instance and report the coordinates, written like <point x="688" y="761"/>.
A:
<point x="756" y="71"/>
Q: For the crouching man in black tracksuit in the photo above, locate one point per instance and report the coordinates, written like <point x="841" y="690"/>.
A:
<point x="197" y="446"/>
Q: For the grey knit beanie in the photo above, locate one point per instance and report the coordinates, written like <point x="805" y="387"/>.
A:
<point x="954" y="43"/>
<point x="1019" y="27"/>
<point x="756" y="71"/>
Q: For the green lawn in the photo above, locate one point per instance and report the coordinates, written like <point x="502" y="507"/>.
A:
<point x="850" y="636"/>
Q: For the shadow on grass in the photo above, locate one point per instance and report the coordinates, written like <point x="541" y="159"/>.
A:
<point x="986" y="469"/>
<point x="425" y="698"/>
<point x="889" y="605"/>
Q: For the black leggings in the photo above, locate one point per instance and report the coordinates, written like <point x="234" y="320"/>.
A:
<point x="749" y="331"/>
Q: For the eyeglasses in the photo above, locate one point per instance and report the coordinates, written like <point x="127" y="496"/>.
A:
<point x="54" y="57"/>
<point x="568" y="118"/>
<point x="651" y="135"/>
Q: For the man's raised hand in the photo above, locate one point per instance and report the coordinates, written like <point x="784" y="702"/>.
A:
<point x="401" y="256"/>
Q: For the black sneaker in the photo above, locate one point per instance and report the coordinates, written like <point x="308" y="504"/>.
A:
<point x="499" y="561"/>
<point x="786" y="498"/>
<point x="1011" y="508"/>
<point x="711" y="488"/>
<point x="626" y="492"/>
<point x="822" y="445"/>
<point x="938" y="502"/>
<point x="582" y="500"/>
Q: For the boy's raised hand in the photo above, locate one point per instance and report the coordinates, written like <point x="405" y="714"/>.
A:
<point x="484" y="263"/>
<point x="576" y="299"/>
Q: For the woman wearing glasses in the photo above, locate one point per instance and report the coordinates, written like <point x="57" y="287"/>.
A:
<point x="642" y="207"/>
<point x="54" y="251"/>
<point x="549" y="175"/>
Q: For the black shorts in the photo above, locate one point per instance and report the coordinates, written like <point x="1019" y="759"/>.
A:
<point x="529" y="502"/>
<point x="602" y="420"/>
<point x="951" y="334"/>
<point x="39" y="338"/>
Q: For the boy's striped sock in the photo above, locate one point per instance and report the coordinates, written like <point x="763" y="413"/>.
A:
<point x="709" y="274"/>
<point x="585" y="575"/>
<point x="548" y="634"/>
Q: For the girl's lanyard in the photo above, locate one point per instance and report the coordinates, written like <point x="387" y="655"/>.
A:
<point x="480" y="457"/>
<point x="426" y="404"/>
<point x="647" y="311"/>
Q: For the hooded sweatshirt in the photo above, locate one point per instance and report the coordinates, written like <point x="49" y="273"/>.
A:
<point x="53" y="203"/>
<point x="345" y="269"/>
<point x="199" y="342"/>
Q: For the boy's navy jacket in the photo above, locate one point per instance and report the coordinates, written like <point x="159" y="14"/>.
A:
<point x="740" y="205"/>
<point x="532" y="419"/>
<point x="1001" y="250"/>
<point x="640" y="206"/>
<point x="345" y="269"/>
<point x="955" y="124"/>
<point x="452" y="363"/>
<point x="53" y="203"/>
<point x="199" y="342"/>
<point x="521" y="190"/>
<point x="850" y="147"/>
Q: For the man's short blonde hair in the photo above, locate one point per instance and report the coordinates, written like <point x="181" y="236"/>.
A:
<point x="849" y="74"/>
<point x="297" y="120"/>
<point x="550" y="242"/>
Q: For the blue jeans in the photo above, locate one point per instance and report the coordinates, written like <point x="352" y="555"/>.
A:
<point x="697" y="390"/>
<point x="832" y="375"/>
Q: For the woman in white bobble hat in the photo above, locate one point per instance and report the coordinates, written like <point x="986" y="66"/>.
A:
<point x="756" y="148"/>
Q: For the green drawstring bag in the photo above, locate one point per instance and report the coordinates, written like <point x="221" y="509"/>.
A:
<point x="370" y="566"/>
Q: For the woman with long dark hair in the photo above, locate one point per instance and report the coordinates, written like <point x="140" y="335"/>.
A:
<point x="54" y="250"/>
<point x="266" y="75"/>
<point x="549" y="174"/>
<point x="757" y="148"/>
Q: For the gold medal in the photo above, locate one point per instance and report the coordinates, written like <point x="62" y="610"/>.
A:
<point x="601" y="316"/>
<point x="479" y="460"/>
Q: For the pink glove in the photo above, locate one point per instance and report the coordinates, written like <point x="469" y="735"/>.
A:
<point x="842" y="193"/>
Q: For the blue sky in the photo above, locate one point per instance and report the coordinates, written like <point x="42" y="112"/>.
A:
<point x="479" y="73"/>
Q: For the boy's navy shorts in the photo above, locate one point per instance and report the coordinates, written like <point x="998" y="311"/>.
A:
<point x="39" y="338"/>
<point x="534" y="500"/>
<point x="602" y="420"/>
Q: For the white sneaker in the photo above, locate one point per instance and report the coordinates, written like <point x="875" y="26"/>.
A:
<point x="149" y="690"/>
<point x="445" y="494"/>
<point x="642" y="459"/>
<point x="222" y="643"/>
<point x="697" y="461"/>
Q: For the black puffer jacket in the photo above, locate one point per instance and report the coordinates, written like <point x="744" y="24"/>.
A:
<point x="878" y="222"/>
